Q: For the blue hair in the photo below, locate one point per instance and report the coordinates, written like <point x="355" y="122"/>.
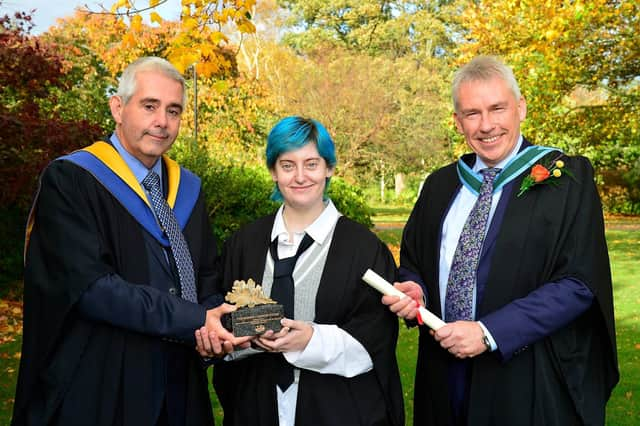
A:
<point x="292" y="133"/>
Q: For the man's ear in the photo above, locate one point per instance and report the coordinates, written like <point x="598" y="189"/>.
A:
<point x="116" y="105"/>
<point x="456" y="121"/>
<point x="522" y="108"/>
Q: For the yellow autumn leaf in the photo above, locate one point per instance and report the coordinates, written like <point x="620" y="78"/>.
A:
<point x="206" y="50"/>
<point x="210" y="68"/>
<point x="123" y="3"/>
<point x="136" y="23"/>
<point x="247" y="27"/>
<point x="216" y="37"/>
<point x="155" y="17"/>
<point x="128" y="40"/>
<point x="182" y="60"/>
<point x="189" y="24"/>
<point x="153" y="3"/>
<point x="221" y="16"/>
<point x="191" y="56"/>
<point x="181" y="39"/>
<point x="179" y="63"/>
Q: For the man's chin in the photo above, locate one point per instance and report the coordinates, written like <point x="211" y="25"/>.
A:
<point x="158" y="146"/>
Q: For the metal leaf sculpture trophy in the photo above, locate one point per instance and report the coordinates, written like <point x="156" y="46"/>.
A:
<point x="256" y="312"/>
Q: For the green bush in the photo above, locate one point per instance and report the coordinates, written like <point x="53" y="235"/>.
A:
<point x="350" y="201"/>
<point x="235" y="195"/>
<point x="239" y="194"/>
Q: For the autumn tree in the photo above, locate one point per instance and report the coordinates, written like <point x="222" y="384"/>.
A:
<point x="376" y="73"/>
<point x="32" y="131"/>
<point x="400" y="28"/>
<point x="198" y="38"/>
<point x="32" y="76"/>
<point x="382" y="113"/>
<point x="228" y="115"/>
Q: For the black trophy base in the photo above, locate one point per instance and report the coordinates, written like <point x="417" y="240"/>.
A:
<point x="253" y="321"/>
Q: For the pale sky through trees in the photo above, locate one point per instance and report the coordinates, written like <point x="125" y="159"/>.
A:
<point x="47" y="11"/>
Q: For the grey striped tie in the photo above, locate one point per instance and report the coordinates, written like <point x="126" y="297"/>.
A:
<point x="179" y="247"/>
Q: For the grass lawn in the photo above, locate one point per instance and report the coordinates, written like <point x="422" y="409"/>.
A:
<point x="391" y="215"/>
<point x="623" y="237"/>
<point x="624" y="244"/>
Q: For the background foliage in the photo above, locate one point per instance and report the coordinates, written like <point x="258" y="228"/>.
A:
<point x="35" y="126"/>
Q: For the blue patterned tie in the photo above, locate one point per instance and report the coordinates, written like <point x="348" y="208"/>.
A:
<point x="462" y="277"/>
<point x="170" y="226"/>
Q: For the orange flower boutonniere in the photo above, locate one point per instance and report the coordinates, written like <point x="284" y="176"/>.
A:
<point x="545" y="174"/>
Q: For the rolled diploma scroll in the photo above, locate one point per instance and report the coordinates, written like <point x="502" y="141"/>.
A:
<point x="384" y="287"/>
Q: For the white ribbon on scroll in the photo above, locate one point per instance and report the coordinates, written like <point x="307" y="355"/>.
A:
<point x="385" y="287"/>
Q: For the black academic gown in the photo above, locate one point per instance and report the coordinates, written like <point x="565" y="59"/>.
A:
<point x="77" y="371"/>
<point x="548" y="234"/>
<point x="247" y="388"/>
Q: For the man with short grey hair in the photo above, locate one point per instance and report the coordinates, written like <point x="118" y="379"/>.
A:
<point x="120" y="272"/>
<point x="507" y="246"/>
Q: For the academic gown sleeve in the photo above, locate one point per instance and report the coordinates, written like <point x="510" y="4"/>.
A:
<point x="141" y="308"/>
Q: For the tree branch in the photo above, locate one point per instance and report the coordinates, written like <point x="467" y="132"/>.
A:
<point x="129" y="12"/>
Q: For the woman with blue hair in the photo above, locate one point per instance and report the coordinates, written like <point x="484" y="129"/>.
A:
<point x="333" y="362"/>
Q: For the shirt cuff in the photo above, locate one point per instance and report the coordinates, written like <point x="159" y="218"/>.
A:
<point x="331" y="350"/>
